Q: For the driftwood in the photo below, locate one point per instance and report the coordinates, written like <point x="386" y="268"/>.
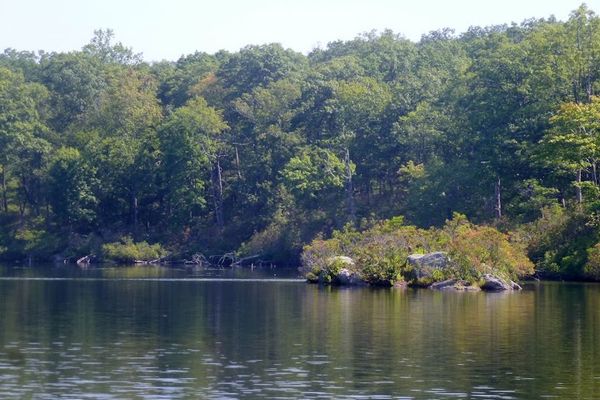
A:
<point x="231" y="259"/>
<point x="85" y="260"/>
<point x="241" y="261"/>
<point x="148" y="262"/>
<point x="227" y="259"/>
<point x="197" y="259"/>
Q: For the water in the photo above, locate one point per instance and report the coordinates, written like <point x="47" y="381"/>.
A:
<point x="161" y="333"/>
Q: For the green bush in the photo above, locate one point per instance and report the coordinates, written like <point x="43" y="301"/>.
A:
<point x="559" y="240"/>
<point x="381" y="265"/>
<point x="477" y="250"/>
<point x="592" y="267"/>
<point x="381" y="252"/>
<point x="127" y="251"/>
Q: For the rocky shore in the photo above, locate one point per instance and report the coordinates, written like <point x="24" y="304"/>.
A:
<point x="432" y="270"/>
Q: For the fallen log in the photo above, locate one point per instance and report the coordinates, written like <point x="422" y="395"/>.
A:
<point x="240" y="261"/>
<point x="84" y="260"/>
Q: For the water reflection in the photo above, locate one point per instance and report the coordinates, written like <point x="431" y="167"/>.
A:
<point x="180" y="339"/>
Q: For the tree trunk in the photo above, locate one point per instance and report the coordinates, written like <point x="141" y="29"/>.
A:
<point x="218" y="193"/>
<point x="594" y="173"/>
<point x="350" y="189"/>
<point x="4" y="197"/>
<point x="237" y="163"/>
<point x="135" y="212"/>
<point x="589" y="90"/>
<point x="21" y="213"/>
<point x="498" y="207"/>
<point x="579" y="194"/>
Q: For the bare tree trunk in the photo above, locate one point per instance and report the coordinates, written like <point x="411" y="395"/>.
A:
<point x="21" y="213"/>
<point x="217" y="184"/>
<point x="579" y="194"/>
<point x="589" y="91"/>
<point x="237" y="163"/>
<point x="498" y="207"/>
<point x="350" y="189"/>
<point x="135" y="212"/>
<point x="594" y="173"/>
<point x="4" y="198"/>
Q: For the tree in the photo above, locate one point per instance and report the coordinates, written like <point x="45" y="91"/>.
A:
<point x="257" y="66"/>
<point x="572" y="143"/>
<point x="101" y="47"/>
<point x="75" y="80"/>
<point x="182" y="76"/>
<point x="70" y="189"/>
<point x="314" y="174"/>
<point x="189" y="154"/>
<point x="22" y="143"/>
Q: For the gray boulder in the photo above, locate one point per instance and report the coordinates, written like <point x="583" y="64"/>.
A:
<point x="349" y="278"/>
<point x="340" y="271"/>
<point x="494" y="284"/>
<point x="515" y="286"/>
<point x="454" y="284"/>
<point x="444" y="285"/>
<point x="425" y="264"/>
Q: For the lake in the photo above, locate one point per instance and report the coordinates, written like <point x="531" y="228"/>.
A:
<point x="165" y="333"/>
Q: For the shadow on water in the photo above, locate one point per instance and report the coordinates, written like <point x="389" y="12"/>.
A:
<point x="152" y="333"/>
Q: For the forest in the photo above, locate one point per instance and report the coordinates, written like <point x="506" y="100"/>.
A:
<point x="258" y="152"/>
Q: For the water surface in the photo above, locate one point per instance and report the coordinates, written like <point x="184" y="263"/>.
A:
<point x="153" y="332"/>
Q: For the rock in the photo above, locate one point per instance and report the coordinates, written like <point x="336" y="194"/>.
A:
<point x="312" y="278"/>
<point x="349" y="278"/>
<point x="454" y="284"/>
<point x="468" y="288"/>
<point x="425" y="264"/>
<point x="442" y="285"/>
<point x="515" y="286"/>
<point x="494" y="284"/>
<point x="339" y="271"/>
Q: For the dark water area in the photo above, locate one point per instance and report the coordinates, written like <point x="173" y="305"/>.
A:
<point x="165" y="333"/>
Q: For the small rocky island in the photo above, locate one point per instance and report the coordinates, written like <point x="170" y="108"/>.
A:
<point x="425" y="267"/>
<point x="459" y="256"/>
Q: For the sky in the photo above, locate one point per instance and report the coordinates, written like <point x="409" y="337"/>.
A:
<point x="167" y="29"/>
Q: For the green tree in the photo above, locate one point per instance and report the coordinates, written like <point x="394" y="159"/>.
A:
<point x="22" y="139"/>
<point x="572" y="143"/>
<point x="70" y="189"/>
<point x="189" y="149"/>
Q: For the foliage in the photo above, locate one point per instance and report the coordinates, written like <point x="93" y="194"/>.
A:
<point x="381" y="252"/>
<point x="313" y="172"/>
<point x="592" y="267"/>
<point x="128" y="251"/>
<point x="476" y="250"/>
<point x="71" y="195"/>
<point x="259" y="151"/>
<point x="559" y="240"/>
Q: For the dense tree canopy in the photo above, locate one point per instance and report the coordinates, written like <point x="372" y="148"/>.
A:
<point x="241" y="151"/>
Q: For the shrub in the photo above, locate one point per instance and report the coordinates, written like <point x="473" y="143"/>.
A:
<point x="592" y="267"/>
<point x="382" y="265"/>
<point x="477" y="250"/>
<point x="316" y="256"/>
<point x="559" y="240"/>
<point x="128" y="251"/>
<point x="381" y="252"/>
